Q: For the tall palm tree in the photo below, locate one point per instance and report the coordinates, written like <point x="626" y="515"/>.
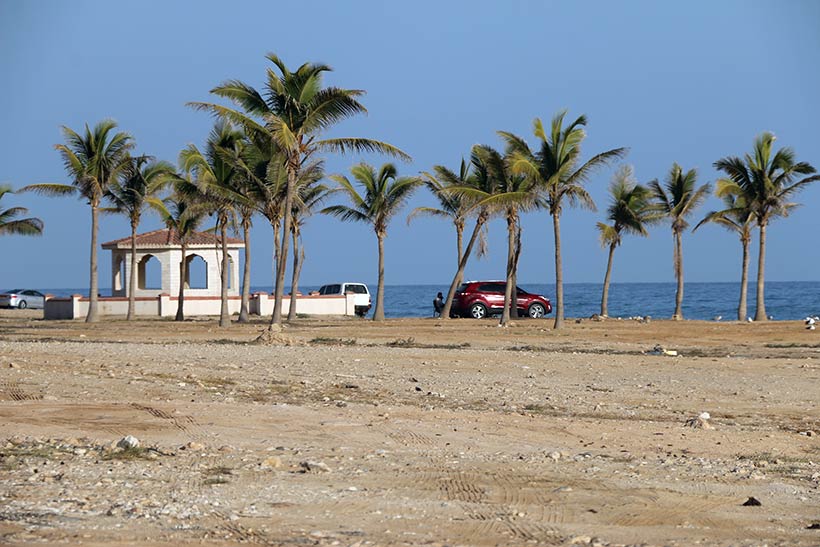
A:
<point x="139" y="179"/>
<point x="292" y="115"/>
<point x="92" y="160"/>
<point x="478" y="185"/>
<point x="676" y="200"/>
<point x="737" y="216"/>
<point x="10" y="224"/>
<point x="557" y="169"/>
<point x="182" y="213"/>
<point x="384" y="194"/>
<point x="629" y="213"/>
<point x="213" y="175"/>
<point x="451" y="206"/>
<point x="767" y="181"/>
<point x="309" y="196"/>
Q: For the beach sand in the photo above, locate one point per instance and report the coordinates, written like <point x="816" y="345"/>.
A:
<point x="408" y="432"/>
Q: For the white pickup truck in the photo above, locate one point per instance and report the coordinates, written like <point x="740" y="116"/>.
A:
<point x="361" y="300"/>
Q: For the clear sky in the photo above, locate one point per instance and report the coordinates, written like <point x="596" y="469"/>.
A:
<point x="685" y="82"/>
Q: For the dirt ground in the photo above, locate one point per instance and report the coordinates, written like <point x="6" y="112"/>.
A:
<point x="409" y="432"/>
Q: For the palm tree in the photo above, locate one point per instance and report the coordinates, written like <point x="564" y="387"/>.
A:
<point x="556" y="171"/>
<point x="213" y="175"/>
<point x="9" y="224"/>
<point x="139" y="179"/>
<point x="477" y="186"/>
<point x="452" y="206"/>
<point x="292" y="115"/>
<point x="309" y="196"/>
<point x="737" y="216"/>
<point x="677" y="200"/>
<point x="629" y="212"/>
<point x="767" y="181"/>
<point x="93" y="160"/>
<point x="384" y="194"/>
<point x="182" y="213"/>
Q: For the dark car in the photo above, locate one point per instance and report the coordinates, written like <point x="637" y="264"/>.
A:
<point x="478" y="299"/>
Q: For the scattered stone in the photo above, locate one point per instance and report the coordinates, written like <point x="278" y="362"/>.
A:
<point x="273" y="462"/>
<point x="128" y="442"/>
<point x="813" y="526"/>
<point x="700" y="422"/>
<point x="752" y="502"/>
<point x="193" y="445"/>
<point x="314" y="467"/>
<point x="808" y="433"/>
<point x="554" y="455"/>
<point x="660" y="350"/>
<point x="13" y="365"/>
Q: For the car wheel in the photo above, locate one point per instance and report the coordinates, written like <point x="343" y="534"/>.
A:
<point x="536" y="310"/>
<point x="478" y="311"/>
<point x="22" y="305"/>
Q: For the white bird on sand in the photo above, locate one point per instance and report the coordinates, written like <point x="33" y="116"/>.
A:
<point x="810" y="320"/>
<point x="718" y="317"/>
<point x="749" y="319"/>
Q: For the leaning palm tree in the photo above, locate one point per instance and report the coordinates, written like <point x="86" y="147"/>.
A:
<point x="384" y="194"/>
<point x="477" y="186"/>
<point x="93" y="161"/>
<point x="451" y="206"/>
<point x="738" y="217"/>
<point x="556" y="171"/>
<point x="10" y="224"/>
<point x="768" y="182"/>
<point x="676" y="200"/>
<point x="292" y="116"/>
<point x="629" y="213"/>
<point x="213" y="175"/>
<point x="309" y="196"/>
<point x="139" y="179"/>
<point x="182" y="214"/>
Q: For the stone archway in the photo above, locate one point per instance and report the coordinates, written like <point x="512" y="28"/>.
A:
<point x="197" y="269"/>
<point x="149" y="273"/>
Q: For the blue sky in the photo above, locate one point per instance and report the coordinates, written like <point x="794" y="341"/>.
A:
<point x="685" y="82"/>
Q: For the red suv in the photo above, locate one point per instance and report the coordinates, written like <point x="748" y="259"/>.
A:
<point x="478" y="299"/>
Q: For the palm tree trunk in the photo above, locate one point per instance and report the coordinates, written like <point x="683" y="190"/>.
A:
<point x="378" y="313"/>
<point x="760" y="313"/>
<point x="514" y="308"/>
<point x="605" y="292"/>
<point x="93" y="291"/>
<point x="744" y="280"/>
<point x="132" y="277"/>
<point x="224" y="315"/>
<point x="508" y="287"/>
<point x="459" y="241"/>
<point x="183" y="277"/>
<point x="559" y="274"/>
<point x="678" y="259"/>
<point x="281" y="264"/>
<point x="448" y="302"/>
<point x="294" y="279"/>
<point x="246" y="274"/>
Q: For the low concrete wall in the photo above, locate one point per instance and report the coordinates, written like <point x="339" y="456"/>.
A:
<point x="163" y="305"/>
<point x="262" y="304"/>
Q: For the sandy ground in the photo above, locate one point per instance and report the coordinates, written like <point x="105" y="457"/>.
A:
<point x="408" y="432"/>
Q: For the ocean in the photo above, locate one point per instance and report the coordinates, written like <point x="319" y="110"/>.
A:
<point x="785" y="300"/>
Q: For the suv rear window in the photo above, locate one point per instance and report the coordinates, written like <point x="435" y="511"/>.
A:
<point x="463" y="287"/>
<point x="358" y="289"/>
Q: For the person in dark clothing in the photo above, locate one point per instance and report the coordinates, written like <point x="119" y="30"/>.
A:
<point x="438" y="305"/>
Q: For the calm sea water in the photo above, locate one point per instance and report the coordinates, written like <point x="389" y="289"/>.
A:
<point x="784" y="300"/>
